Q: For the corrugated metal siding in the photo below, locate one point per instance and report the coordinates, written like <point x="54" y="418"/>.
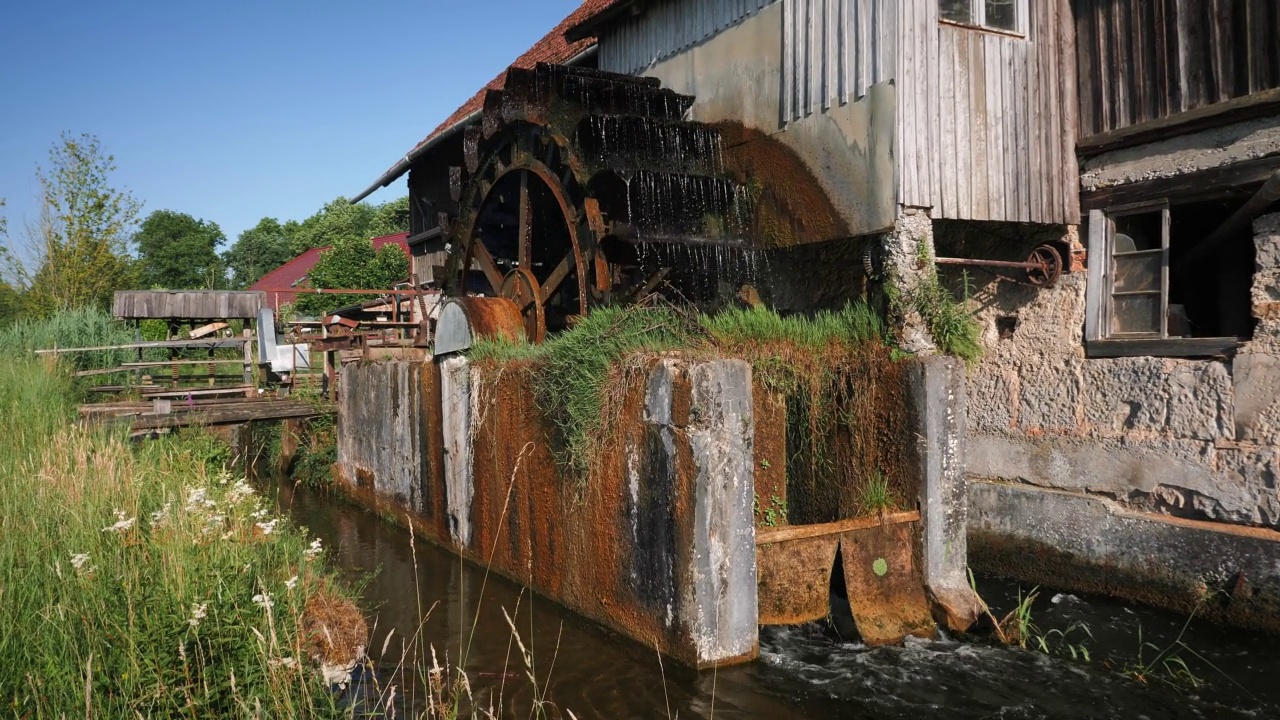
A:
<point x="985" y="120"/>
<point x="667" y="28"/>
<point x="1148" y="59"/>
<point x="833" y="50"/>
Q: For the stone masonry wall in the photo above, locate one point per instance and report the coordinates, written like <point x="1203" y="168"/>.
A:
<point x="1195" y="438"/>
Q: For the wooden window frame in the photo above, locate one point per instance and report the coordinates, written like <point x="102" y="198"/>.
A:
<point x="978" y="19"/>
<point x="1100" y="339"/>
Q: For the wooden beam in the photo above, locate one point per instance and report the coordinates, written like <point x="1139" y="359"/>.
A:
<point x="1202" y="118"/>
<point x="1156" y="347"/>
<point x="1201" y="185"/>
<point x="221" y="343"/>
<point x="768" y="535"/>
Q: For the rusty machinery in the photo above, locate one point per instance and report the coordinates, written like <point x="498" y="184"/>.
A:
<point x="581" y="188"/>
<point x="1042" y="268"/>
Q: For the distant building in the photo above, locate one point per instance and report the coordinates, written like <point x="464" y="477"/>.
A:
<point x="294" y="273"/>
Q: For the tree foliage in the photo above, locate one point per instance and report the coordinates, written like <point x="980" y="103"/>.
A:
<point x="178" y="252"/>
<point x="79" y="246"/>
<point x="352" y="264"/>
<point x="259" y="250"/>
<point x="340" y="220"/>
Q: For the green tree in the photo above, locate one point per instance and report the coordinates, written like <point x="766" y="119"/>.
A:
<point x="179" y="252"/>
<point x="341" y="220"/>
<point x="352" y="264"/>
<point x="259" y="250"/>
<point x="10" y="299"/>
<point x="390" y="218"/>
<point x="79" y="246"/>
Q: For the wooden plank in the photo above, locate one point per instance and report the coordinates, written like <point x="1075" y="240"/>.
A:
<point x="965" y="176"/>
<point x="906" y="134"/>
<point x="946" y="140"/>
<point x="978" y="124"/>
<point x="1202" y="185"/>
<point x="1156" y="347"/>
<point x="179" y="344"/>
<point x="932" y="103"/>
<point x="1096" y="283"/>
<point x="1232" y="111"/>
<point x="161" y="391"/>
<point x="767" y="535"/>
<point x="167" y="363"/>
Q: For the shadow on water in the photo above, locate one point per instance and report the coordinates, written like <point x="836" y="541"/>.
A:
<point x="802" y="673"/>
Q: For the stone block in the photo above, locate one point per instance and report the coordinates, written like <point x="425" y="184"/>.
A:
<point x="1049" y="393"/>
<point x="1256" y="391"/>
<point x="993" y="397"/>
<point x="1158" y="396"/>
<point x="1122" y="469"/>
<point x="1267" y="225"/>
<point x="1249" y="491"/>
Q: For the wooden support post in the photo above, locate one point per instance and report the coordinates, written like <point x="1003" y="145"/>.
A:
<point x="248" y="356"/>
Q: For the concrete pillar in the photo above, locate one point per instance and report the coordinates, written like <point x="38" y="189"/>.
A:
<point x="721" y="437"/>
<point x="937" y="399"/>
<point x="457" y="401"/>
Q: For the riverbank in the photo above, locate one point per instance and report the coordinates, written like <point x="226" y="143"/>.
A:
<point x="144" y="580"/>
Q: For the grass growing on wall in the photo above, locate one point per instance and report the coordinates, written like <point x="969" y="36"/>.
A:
<point x="145" y="581"/>
<point x="819" y="364"/>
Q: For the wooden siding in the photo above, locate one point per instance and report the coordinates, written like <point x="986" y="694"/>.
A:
<point x="1149" y="59"/>
<point x="667" y="28"/>
<point x="188" y="305"/>
<point x="833" y="50"/>
<point x="985" y="119"/>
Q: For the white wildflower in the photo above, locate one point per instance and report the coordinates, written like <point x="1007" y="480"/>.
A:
<point x="291" y="583"/>
<point x="263" y="600"/>
<point x="239" y="492"/>
<point x="198" y="613"/>
<point x="79" y="559"/>
<point x="267" y="527"/>
<point x="314" y="550"/>
<point x="259" y="513"/>
<point x="196" y="498"/>
<point x="123" y="523"/>
<point x="161" y="516"/>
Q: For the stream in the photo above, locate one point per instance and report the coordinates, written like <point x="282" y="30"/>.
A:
<point x="803" y="672"/>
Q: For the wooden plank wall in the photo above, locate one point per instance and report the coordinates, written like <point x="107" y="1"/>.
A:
<point x="833" y="50"/>
<point x="1149" y="59"/>
<point x="667" y="28"/>
<point x="985" y="120"/>
<point x="188" y="305"/>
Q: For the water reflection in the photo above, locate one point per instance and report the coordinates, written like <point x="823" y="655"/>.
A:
<point x="802" y="673"/>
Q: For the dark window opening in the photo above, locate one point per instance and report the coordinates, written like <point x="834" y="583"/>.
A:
<point x="1213" y="296"/>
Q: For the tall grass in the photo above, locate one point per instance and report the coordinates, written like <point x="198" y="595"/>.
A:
<point x="83" y="327"/>
<point x="147" y="582"/>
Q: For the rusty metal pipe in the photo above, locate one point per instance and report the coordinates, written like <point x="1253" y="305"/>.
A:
<point x="990" y="263"/>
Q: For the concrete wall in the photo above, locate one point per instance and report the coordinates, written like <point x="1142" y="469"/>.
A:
<point x="1118" y="444"/>
<point x="657" y="544"/>
<point x="831" y="172"/>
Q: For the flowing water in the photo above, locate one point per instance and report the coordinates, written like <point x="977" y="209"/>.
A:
<point x="803" y="672"/>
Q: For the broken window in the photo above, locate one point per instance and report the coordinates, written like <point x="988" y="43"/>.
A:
<point x="1145" y="298"/>
<point x="1006" y="15"/>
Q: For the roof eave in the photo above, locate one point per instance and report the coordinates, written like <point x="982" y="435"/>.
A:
<point x="591" y="25"/>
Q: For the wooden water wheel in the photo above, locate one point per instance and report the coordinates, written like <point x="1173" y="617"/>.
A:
<point x="565" y="180"/>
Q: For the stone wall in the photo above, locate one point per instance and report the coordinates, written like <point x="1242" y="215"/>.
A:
<point x="1145" y="466"/>
<point x="1188" y="437"/>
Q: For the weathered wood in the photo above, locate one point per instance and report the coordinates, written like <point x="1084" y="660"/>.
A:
<point x="1261" y="104"/>
<point x="1201" y="185"/>
<point x="1156" y="347"/>
<point x="784" y="533"/>
<point x="209" y="329"/>
<point x="188" y="304"/>
<point x="1153" y="59"/>
<point x="179" y="344"/>
<point x="167" y="363"/>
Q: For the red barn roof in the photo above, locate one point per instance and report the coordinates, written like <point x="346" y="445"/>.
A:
<point x="552" y="48"/>
<point x="294" y="273"/>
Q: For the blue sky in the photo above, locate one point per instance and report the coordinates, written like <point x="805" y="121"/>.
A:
<point x="234" y="110"/>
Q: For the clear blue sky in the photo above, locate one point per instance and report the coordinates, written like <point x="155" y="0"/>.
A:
<point x="235" y="110"/>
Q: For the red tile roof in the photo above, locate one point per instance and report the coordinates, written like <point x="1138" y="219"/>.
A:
<point x="294" y="273"/>
<point x="552" y="48"/>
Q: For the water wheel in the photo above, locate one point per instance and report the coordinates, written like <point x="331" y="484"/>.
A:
<point x="571" y="178"/>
